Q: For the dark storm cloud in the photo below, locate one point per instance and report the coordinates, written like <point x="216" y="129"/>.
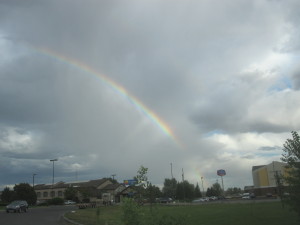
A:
<point x="29" y="95"/>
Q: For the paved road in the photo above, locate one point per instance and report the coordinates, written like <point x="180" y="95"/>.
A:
<point x="51" y="215"/>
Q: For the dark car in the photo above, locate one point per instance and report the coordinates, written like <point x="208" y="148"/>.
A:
<point x="164" y="200"/>
<point x="17" y="206"/>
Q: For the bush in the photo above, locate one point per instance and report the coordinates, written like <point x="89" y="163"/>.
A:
<point x="3" y="203"/>
<point x="56" y="201"/>
<point x="86" y="200"/>
<point x="131" y="212"/>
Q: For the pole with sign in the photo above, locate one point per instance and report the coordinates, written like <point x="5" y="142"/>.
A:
<point x="221" y="173"/>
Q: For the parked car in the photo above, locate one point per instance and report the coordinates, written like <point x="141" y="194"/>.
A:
<point x="213" y="198"/>
<point x="196" y="200"/>
<point x="269" y="195"/>
<point x="17" y="206"/>
<point x="164" y="200"/>
<point x="69" y="202"/>
<point x="246" y="197"/>
<point x="199" y="200"/>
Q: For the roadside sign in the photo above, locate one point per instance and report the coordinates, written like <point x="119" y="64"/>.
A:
<point x="221" y="172"/>
<point x="130" y="182"/>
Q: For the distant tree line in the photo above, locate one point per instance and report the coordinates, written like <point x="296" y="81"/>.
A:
<point x="180" y="190"/>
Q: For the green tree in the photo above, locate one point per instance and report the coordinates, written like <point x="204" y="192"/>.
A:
<point x="142" y="183"/>
<point x="153" y="192"/>
<point x="7" y="195"/>
<point x="141" y="177"/>
<point x="70" y="193"/>
<point x="85" y="193"/>
<point x="209" y="192"/>
<point x="25" y="191"/>
<point x="233" y="191"/>
<point x="185" y="190"/>
<point x="197" y="192"/>
<point x="169" y="188"/>
<point x="291" y="156"/>
<point x="215" y="190"/>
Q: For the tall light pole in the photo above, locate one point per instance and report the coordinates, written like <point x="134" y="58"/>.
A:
<point x="33" y="180"/>
<point x="202" y="185"/>
<point x="53" y="160"/>
<point x="171" y="171"/>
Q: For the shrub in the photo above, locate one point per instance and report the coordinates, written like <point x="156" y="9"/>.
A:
<point x="56" y="201"/>
<point x="131" y="212"/>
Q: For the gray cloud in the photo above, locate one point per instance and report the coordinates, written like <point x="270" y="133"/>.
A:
<point x="296" y="79"/>
<point x="270" y="148"/>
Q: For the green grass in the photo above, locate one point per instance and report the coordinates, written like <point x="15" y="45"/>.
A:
<point x="205" y="214"/>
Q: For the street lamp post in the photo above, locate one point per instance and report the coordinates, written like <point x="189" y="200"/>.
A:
<point x="202" y="185"/>
<point x="33" y="180"/>
<point x="53" y="160"/>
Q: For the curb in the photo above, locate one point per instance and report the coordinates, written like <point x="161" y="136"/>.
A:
<point x="70" y="221"/>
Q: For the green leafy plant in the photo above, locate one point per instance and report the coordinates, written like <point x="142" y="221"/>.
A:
<point x="131" y="212"/>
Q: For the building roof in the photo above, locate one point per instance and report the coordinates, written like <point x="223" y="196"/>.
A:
<point x="257" y="167"/>
<point x="61" y="184"/>
<point x="112" y="186"/>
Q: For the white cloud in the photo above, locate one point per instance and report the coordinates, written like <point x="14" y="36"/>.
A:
<point x="17" y="141"/>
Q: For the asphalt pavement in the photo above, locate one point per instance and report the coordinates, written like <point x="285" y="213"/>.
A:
<point x="51" y="215"/>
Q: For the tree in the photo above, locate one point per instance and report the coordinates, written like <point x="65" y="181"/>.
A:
<point x="7" y="195"/>
<point x="141" y="177"/>
<point x="169" y="189"/>
<point x="185" y="190"/>
<point x="153" y="192"/>
<point x="233" y="191"/>
<point x="25" y="192"/>
<point x="142" y="183"/>
<point x="291" y="156"/>
<point x="70" y="193"/>
<point x="215" y="190"/>
<point x="197" y="192"/>
<point x="85" y="193"/>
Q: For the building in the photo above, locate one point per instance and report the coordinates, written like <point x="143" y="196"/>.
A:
<point x="93" y="190"/>
<point x="264" y="178"/>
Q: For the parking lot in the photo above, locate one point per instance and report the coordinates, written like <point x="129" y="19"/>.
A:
<point x="51" y="215"/>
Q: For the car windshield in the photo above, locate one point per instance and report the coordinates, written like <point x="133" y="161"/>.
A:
<point x="15" y="203"/>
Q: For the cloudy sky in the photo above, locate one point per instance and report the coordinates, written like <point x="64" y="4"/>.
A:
<point x="107" y="86"/>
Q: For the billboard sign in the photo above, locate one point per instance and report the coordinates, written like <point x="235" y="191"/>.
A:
<point x="130" y="182"/>
<point x="221" y="172"/>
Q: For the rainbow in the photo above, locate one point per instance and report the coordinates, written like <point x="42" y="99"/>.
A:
<point x="120" y="90"/>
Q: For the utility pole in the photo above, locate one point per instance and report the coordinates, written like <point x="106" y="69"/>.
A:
<point x="171" y="171"/>
<point x="202" y="185"/>
<point x="183" y="185"/>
